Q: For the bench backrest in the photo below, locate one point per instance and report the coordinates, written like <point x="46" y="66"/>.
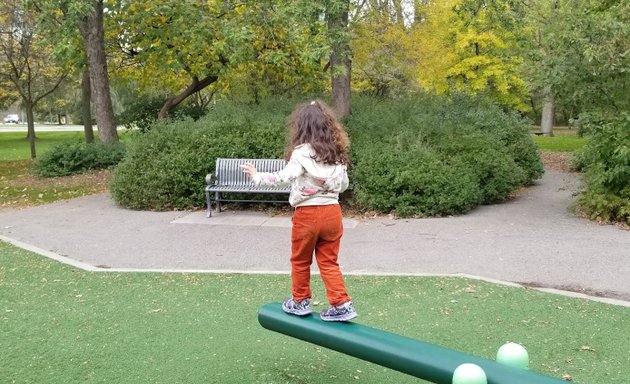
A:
<point x="229" y="172"/>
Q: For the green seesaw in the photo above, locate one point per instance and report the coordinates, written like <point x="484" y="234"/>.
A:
<point x="414" y="357"/>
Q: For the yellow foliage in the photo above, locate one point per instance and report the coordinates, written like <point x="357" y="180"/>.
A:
<point x="383" y="56"/>
<point x="453" y="54"/>
<point x="433" y="45"/>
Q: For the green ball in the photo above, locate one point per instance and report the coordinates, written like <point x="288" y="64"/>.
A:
<point x="469" y="374"/>
<point x="513" y="355"/>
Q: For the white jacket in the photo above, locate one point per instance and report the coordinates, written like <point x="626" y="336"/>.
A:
<point x="312" y="182"/>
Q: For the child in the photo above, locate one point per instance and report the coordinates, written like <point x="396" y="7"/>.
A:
<point x="317" y="173"/>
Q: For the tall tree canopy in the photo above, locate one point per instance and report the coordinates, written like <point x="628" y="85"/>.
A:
<point x="163" y="50"/>
<point x="64" y="20"/>
<point x="471" y="46"/>
<point x="26" y="65"/>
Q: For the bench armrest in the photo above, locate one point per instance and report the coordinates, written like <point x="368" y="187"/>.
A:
<point x="209" y="179"/>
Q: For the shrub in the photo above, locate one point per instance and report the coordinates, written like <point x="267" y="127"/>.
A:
<point x="165" y="167"/>
<point x="484" y="157"/>
<point x="74" y="157"/>
<point x="418" y="185"/>
<point x="606" y="162"/>
<point x="425" y="155"/>
<point x="429" y="155"/>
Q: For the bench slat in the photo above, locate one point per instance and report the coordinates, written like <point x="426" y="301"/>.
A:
<point x="230" y="178"/>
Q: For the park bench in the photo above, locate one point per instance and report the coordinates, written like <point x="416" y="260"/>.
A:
<point x="229" y="178"/>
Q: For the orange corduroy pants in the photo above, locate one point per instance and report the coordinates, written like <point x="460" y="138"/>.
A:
<point x="317" y="230"/>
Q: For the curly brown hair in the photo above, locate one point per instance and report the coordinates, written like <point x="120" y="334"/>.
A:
<point x="315" y="123"/>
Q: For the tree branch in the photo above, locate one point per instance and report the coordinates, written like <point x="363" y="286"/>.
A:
<point x="196" y="86"/>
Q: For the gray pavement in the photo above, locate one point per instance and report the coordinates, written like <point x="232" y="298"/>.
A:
<point x="532" y="240"/>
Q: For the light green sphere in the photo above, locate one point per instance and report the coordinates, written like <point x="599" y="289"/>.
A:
<point x="513" y="355"/>
<point x="469" y="374"/>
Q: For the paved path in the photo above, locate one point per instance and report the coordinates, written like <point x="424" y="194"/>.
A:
<point x="532" y="240"/>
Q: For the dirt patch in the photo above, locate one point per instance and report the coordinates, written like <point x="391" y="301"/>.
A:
<point x="21" y="189"/>
<point x="557" y="161"/>
<point x="97" y="179"/>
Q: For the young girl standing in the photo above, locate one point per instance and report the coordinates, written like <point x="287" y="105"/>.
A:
<point x="317" y="173"/>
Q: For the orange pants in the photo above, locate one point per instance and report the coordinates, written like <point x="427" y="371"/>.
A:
<point x="317" y="229"/>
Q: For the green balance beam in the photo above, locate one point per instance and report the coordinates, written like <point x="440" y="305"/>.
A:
<point x="417" y="358"/>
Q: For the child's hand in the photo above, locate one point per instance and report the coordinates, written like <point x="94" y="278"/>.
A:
<point x="249" y="169"/>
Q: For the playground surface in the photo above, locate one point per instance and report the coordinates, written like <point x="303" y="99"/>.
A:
<point x="532" y="240"/>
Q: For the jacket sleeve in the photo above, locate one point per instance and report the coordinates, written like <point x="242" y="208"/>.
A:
<point x="281" y="178"/>
<point x="345" y="182"/>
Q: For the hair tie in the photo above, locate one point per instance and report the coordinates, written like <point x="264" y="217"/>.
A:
<point x="313" y="102"/>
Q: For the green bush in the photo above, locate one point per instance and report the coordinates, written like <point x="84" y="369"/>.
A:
<point x="425" y="155"/>
<point x="495" y="171"/>
<point x="165" y="167"/>
<point x="429" y="155"/>
<point x="408" y="185"/>
<point x="606" y="161"/>
<point x="74" y="157"/>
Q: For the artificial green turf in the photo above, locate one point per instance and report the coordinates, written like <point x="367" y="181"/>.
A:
<point x="63" y="325"/>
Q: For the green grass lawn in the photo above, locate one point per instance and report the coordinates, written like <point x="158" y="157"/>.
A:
<point x="14" y="146"/>
<point x="20" y="188"/>
<point x="63" y="325"/>
<point x="564" y="140"/>
<point x="559" y="143"/>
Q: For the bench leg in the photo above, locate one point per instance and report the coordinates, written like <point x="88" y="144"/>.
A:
<point x="218" y="201"/>
<point x="209" y="204"/>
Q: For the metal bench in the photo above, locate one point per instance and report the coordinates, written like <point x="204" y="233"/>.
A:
<point x="229" y="177"/>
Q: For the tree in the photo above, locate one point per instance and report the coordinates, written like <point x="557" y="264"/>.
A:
<point x="471" y="47"/>
<point x="91" y="28"/>
<point x="288" y="48"/>
<point x="540" y="47"/>
<point x="599" y="34"/>
<point x="26" y="61"/>
<point x="275" y="46"/>
<point x="340" y="56"/>
<point x="62" y="19"/>
<point x="433" y="41"/>
<point x="577" y="54"/>
<point x="162" y="51"/>
<point x="86" y="101"/>
<point x="382" y="49"/>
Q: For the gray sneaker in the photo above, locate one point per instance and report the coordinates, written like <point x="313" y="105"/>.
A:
<point x="343" y="312"/>
<point x="299" y="308"/>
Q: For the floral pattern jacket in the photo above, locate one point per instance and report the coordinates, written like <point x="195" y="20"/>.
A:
<point x="312" y="182"/>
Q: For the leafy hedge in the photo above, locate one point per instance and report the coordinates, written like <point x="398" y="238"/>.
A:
<point x="605" y="160"/>
<point x="430" y="155"/>
<point x="74" y="157"/>
<point x="165" y="167"/>
<point x="426" y="155"/>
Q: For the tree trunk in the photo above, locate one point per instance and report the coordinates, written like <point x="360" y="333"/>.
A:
<point x="94" y="39"/>
<point x="546" y="122"/>
<point x="418" y="11"/>
<point x="194" y="87"/>
<point x="30" y="123"/>
<point x="86" y="99"/>
<point x="340" y="63"/>
<point x="400" y="16"/>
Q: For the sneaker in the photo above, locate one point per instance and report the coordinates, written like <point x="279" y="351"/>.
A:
<point x="343" y="312"/>
<point x="299" y="308"/>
